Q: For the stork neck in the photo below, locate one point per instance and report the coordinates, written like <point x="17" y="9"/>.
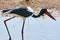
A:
<point x="36" y="16"/>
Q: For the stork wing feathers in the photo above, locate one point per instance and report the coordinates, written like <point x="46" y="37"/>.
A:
<point x="6" y="10"/>
<point x="21" y="12"/>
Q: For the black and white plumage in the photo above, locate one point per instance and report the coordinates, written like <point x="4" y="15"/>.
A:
<point x="18" y="12"/>
<point x="23" y="12"/>
<point x="5" y="10"/>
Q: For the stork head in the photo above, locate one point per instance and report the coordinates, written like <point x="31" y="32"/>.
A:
<point x="44" y="11"/>
<point x="47" y="13"/>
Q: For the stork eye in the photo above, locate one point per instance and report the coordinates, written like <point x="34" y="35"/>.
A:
<point x="46" y="11"/>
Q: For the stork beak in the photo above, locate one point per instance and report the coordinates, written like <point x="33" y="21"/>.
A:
<point x="50" y="15"/>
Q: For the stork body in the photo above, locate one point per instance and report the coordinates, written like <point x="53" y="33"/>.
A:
<point x="18" y="12"/>
<point x="23" y="12"/>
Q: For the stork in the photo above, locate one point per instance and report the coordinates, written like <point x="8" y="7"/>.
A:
<point x="24" y="12"/>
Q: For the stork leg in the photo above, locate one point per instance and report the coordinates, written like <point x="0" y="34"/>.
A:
<point x="7" y="27"/>
<point x="22" y="31"/>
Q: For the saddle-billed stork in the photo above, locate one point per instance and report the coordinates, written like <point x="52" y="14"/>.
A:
<point x="24" y="12"/>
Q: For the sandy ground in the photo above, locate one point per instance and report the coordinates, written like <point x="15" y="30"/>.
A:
<point x="38" y="3"/>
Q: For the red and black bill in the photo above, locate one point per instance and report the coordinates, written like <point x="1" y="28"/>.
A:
<point x="50" y="15"/>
